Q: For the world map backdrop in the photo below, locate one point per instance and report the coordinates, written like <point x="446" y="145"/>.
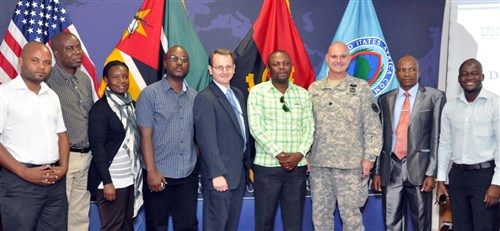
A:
<point x="409" y="26"/>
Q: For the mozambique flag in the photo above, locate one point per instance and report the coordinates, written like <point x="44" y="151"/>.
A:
<point x="180" y="31"/>
<point x="371" y="59"/>
<point x="273" y="30"/>
<point x="155" y="27"/>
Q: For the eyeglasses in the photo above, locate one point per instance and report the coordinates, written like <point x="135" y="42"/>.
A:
<point x="285" y="105"/>
<point x="222" y="68"/>
<point x="407" y="69"/>
<point x="173" y="58"/>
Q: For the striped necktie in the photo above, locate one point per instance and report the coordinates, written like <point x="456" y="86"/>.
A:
<point x="239" y="115"/>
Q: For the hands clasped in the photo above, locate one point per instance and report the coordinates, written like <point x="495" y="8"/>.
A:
<point x="44" y="175"/>
<point x="289" y="161"/>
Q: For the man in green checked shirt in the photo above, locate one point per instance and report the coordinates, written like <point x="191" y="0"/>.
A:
<point x="281" y="121"/>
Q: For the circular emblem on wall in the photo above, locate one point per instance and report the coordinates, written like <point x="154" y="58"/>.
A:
<point x="371" y="61"/>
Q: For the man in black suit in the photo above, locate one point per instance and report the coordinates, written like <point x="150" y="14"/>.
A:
<point x="222" y="135"/>
<point x="406" y="168"/>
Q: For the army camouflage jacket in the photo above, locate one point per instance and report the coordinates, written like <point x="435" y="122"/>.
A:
<point x="347" y="125"/>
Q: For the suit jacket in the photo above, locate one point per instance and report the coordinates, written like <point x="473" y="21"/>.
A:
<point x="106" y="134"/>
<point x="219" y="138"/>
<point x="423" y="134"/>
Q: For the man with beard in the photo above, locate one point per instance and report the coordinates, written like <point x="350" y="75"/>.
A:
<point x="407" y="165"/>
<point x="165" y="122"/>
<point x="281" y="121"/>
<point x="470" y="138"/>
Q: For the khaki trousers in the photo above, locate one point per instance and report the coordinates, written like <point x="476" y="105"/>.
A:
<point x="76" y="190"/>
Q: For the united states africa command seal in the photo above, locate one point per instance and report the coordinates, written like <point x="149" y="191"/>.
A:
<point x="372" y="62"/>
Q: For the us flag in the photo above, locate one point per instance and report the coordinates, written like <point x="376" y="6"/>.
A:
<point x="37" y="20"/>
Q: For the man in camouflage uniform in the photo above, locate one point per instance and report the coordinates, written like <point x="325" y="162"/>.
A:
<point x="347" y="141"/>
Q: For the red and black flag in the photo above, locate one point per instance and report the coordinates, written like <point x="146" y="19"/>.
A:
<point x="273" y="30"/>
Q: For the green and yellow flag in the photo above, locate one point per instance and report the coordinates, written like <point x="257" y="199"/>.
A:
<point x="156" y="26"/>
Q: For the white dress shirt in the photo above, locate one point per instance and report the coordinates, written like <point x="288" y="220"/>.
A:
<point x="235" y="99"/>
<point x="29" y="123"/>
<point x="470" y="133"/>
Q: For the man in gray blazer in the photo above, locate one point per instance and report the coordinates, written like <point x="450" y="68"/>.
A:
<point x="406" y="168"/>
<point x="222" y="135"/>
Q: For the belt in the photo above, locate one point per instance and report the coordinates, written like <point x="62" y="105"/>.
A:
<point x="28" y="165"/>
<point x="394" y="157"/>
<point x="80" y="150"/>
<point x="470" y="167"/>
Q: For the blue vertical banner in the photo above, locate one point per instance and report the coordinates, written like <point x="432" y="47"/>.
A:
<point x="371" y="60"/>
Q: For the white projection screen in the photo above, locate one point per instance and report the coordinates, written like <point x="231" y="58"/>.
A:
<point x="474" y="32"/>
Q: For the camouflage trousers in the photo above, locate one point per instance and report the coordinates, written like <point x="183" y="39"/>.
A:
<point x="346" y="187"/>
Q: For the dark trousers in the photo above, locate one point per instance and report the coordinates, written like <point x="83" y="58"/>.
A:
<point x="179" y="198"/>
<point x="467" y="190"/>
<point x="275" y="185"/>
<point x="117" y="215"/>
<point x="27" y="206"/>
<point x="400" y="195"/>
<point x="221" y="210"/>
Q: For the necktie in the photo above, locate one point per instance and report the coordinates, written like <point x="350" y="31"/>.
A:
<point x="239" y="115"/>
<point x="402" y="129"/>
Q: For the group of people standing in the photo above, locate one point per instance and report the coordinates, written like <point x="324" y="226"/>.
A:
<point x="58" y="147"/>
<point x="423" y="134"/>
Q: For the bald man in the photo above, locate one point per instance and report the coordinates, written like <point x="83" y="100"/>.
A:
<point x="346" y="142"/>
<point x="33" y="147"/>
<point x="407" y="181"/>
<point x="75" y="92"/>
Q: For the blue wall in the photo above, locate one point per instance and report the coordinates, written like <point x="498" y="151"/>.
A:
<point x="409" y="26"/>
